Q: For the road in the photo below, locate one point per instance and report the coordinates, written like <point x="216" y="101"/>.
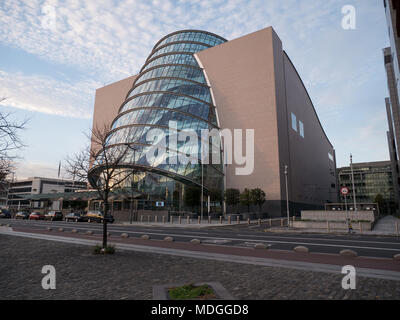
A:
<point x="367" y="246"/>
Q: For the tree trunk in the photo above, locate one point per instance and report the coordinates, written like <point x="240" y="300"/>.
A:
<point x="105" y="222"/>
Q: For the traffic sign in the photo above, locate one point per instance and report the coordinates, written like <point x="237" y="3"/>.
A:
<point x="344" y="191"/>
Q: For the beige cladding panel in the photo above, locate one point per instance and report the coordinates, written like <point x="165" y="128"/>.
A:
<point x="108" y="100"/>
<point x="310" y="167"/>
<point x="241" y="74"/>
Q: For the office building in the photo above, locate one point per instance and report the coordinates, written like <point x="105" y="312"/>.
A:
<point x="200" y="80"/>
<point x="371" y="179"/>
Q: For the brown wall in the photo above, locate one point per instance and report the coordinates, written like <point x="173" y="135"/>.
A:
<point x="256" y="86"/>
<point x="309" y="166"/>
<point x="108" y="100"/>
<point x="241" y="74"/>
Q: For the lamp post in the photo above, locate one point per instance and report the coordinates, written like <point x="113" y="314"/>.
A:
<point x="201" y="202"/>
<point x="287" y="195"/>
<point x="133" y="180"/>
<point x="352" y="180"/>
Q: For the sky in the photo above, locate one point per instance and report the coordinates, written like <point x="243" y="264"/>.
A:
<point x="54" y="54"/>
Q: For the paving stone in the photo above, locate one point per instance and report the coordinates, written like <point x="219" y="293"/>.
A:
<point x="348" y="253"/>
<point x="300" y="249"/>
<point x="132" y="275"/>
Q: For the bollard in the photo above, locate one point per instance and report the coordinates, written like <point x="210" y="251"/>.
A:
<point x="259" y="222"/>
<point x="248" y="220"/>
<point x="237" y="219"/>
<point x="397" y="228"/>
<point x="163" y="219"/>
<point x="141" y="218"/>
<point x="229" y="219"/>
<point x="148" y="219"/>
<point x="220" y="219"/>
<point x="281" y="222"/>
<point x="188" y="220"/>
<point x="180" y="220"/>
<point x="156" y="219"/>
<point x="327" y="226"/>
<point x="209" y="219"/>
<point x="294" y="218"/>
<point x="172" y="219"/>
<point x="270" y="222"/>
<point x="198" y="220"/>
<point x="361" y="231"/>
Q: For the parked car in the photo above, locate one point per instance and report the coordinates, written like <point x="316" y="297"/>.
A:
<point x="54" y="215"/>
<point x="5" y="214"/>
<point x="36" y="216"/>
<point x="97" y="216"/>
<point x="22" y="215"/>
<point x="74" y="216"/>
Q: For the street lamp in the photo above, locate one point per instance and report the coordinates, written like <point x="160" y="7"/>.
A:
<point x="352" y="179"/>
<point x="202" y="185"/>
<point x="132" y="181"/>
<point x="287" y="195"/>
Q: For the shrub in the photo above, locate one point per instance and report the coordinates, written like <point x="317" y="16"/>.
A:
<point x="98" y="249"/>
<point x="190" y="291"/>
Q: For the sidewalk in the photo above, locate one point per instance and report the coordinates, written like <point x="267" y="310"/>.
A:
<point x="383" y="268"/>
<point x="385" y="226"/>
<point x="192" y="225"/>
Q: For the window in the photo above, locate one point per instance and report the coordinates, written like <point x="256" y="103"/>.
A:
<point x="330" y="156"/>
<point x="294" y="122"/>
<point x="301" y="129"/>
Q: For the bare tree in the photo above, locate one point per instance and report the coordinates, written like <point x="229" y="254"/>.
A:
<point x="10" y="141"/>
<point x="102" y="166"/>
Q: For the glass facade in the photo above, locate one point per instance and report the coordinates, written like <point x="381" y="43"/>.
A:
<point x="370" y="180"/>
<point x="171" y="86"/>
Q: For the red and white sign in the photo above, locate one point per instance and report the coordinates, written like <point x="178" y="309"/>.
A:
<point x="344" y="191"/>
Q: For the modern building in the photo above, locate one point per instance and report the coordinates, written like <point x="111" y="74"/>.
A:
<point x="200" y="80"/>
<point x="4" y="185"/>
<point x="370" y="180"/>
<point x="391" y="60"/>
<point x="21" y="191"/>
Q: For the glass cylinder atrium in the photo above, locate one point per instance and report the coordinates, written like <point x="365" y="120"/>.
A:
<point x="171" y="86"/>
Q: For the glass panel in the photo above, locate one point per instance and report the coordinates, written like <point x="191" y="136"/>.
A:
<point x="294" y="122"/>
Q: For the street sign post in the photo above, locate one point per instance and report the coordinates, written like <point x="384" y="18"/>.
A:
<point x="345" y="191"/>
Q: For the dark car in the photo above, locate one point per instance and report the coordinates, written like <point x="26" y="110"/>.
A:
<point x="54" y="215"/>
<point x="97" y="216"/>
<point x="22" y="215"/>
<point x="5" y="214"/>
<point x="36" y="216"/>
<point x="74" y="216"/>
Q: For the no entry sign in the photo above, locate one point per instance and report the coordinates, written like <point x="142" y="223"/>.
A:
<point x="344" y="191"/>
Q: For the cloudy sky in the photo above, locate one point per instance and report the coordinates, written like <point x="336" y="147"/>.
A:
<point x="54" y="54"/>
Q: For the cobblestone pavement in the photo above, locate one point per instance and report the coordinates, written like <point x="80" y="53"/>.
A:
<point x="131" y="275"/>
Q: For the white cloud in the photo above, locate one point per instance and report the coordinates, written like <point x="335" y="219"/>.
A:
<point x="110" y="40"/>
<point x="46" y="95"/>
<point x="28" y="169"/>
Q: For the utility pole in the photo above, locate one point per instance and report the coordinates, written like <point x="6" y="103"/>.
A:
<point x="201" y="202"/>
<point x="287" y="195"/>
<point x="132" y="180"/>
<point x="352" y="180"/>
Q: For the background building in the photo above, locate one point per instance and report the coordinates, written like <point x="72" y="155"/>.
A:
<point x="391" y="60"/>
<point x="201" y="81"/>
<point x="20" y="192"/>
<point x="370" y="180"/>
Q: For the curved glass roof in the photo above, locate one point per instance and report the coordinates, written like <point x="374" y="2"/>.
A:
<point x="171" y="86"/>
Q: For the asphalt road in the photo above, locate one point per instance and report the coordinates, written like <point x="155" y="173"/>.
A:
<point x="241" y="235"/>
